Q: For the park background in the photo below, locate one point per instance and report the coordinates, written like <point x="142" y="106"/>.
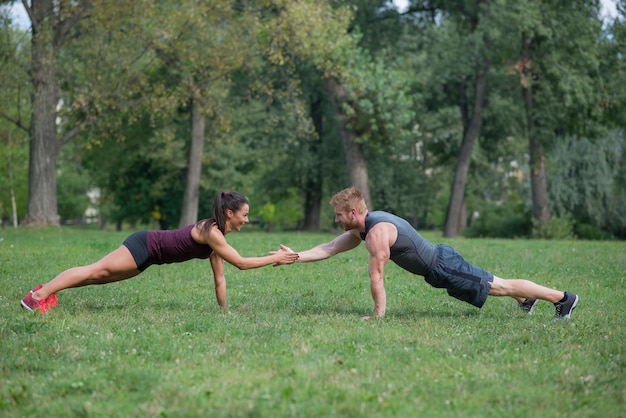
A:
<point x="475" y="118"/>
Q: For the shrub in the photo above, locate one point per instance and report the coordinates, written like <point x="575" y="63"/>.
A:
<point x="560" y="227"/>
<point x="590" y="232"/>
<point x="506" y="221"/>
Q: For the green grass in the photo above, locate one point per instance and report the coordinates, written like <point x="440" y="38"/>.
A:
<point x="293" y="344"/>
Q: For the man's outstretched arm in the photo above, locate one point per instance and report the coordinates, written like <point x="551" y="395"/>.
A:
<point x="344" y="242"/>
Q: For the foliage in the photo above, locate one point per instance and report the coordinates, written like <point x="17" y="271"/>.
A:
<point x="15" y="89"/>
<point x="380" y="109"/>
<point x="13" y="172"/>
<point x="267" y="215"/>
<point x="564" y="77"/>
<point x="292" y="343"/>
<point x="14" y="116"/>
<point x="407" y="183"/>
<point x="141" y="174"/>
<point x="106" y="69"/>
<point x="280" y="215"/>
<point x="128" y="72"/>
<point x="586" y="180"/>
<point x="587" y="231"/>
<point x="509" y="220"/>
<point x="613" y="68"/>
<point x="557" y="227"/>
<point x="378" y="23"/>
<point x="312" y="30"/>
<point x="73" y="185"/>
<point x="279" y="146"/>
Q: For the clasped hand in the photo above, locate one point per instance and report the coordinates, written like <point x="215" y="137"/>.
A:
<point x="288" y="256"/>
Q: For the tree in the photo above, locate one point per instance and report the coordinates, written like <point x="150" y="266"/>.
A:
<point x="14" y="167"/>
<point x="285" y="108"/>
<point x="314" y="186"/>
<point x="375" y="108"/>
<point x="142" y="177"/>
<point x="586" y="181"/>
<point x="613" y="69"/>
<point x="448" y="43"/>
<point x="201" y="44"/>
<point x="472" y="82"/>
<point x="356" y="163"/>
<point x="317" y="32"/>
<point x="14" y="91"/>
<point x="74" y="183"/>
<point x="316" y="143"/>
<point x="65" y="98"/>
<point x="51" y="23"/>
<point x="558" y="77"/>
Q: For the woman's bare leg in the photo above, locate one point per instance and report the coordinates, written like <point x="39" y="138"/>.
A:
<point x="116" y="266"/>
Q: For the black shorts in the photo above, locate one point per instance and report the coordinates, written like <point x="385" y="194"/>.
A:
<point x="138" y="247"/>
<point x="461" y="279"/>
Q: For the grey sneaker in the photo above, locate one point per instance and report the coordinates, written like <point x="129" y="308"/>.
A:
<point x="528" y="305"/>
<point x="564" y="309"/>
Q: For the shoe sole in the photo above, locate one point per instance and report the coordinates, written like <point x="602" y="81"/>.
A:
<point x="25" y="306"/>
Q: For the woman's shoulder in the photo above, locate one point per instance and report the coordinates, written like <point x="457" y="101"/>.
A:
<point x="204" y="225"/>
<point x="204" y="231"/>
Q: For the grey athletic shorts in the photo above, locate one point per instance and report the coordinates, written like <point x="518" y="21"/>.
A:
<point x="136" y="244"/>
<point x="461" y="279"/>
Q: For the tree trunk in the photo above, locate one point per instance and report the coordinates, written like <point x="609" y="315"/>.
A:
<point x="463" y="216"/>
<point x="11" y="184"/>
<point x="312" y="209"/>
<point x="538" y="184"/>
<point x="355" y="156"/>
<point x="42" y="189"/>
<point x="189" y="212"/>
<point x="455" y="217"/>
<point x="314" y="181"/>
<point x="13" y="204"/>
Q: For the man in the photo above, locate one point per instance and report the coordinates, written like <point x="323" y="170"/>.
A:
<point x="388" y="237"/>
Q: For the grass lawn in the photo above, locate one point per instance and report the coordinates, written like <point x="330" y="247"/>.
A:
<point x="292" y="343"/>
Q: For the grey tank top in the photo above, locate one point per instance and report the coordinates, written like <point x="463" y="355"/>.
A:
<point x="411" y="251"/>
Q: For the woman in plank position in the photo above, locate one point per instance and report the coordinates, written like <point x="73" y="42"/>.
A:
<point x="205" y="239"/>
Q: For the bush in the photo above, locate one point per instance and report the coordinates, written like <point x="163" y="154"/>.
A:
<point x="560" y="227"/>
<point x="590" y="232"/>
<point x="283" y="214"/>
<point x="506" y="221"/>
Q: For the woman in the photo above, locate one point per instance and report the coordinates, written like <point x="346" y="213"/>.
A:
<point x="205" y="239"/>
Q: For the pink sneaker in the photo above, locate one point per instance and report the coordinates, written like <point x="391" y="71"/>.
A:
<point x="43" y="305"/>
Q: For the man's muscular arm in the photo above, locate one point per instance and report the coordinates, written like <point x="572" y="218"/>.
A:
<point x="344" y="242"/>
<point x="378" y="245"/>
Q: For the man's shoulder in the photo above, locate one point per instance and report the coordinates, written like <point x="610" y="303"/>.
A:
<point x="382" y="226"/>
<point x="382" y="217"/>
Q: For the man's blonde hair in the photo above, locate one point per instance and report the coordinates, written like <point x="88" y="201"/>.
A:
<point x="349" y="198"/>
